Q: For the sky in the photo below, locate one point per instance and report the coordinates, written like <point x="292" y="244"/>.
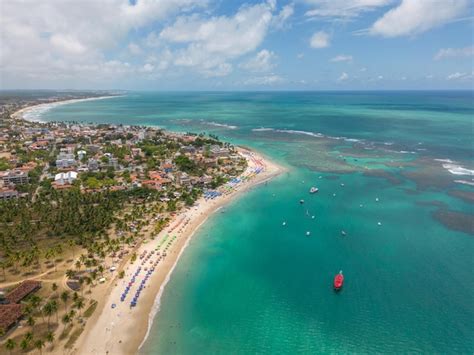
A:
<point x="237" y="44"/>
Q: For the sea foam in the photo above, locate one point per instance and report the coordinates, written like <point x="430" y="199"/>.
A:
<point x="454" y="168"/>
<point x="217" y="124"/>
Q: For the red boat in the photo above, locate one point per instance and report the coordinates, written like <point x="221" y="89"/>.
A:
<point x="338" y="281"/>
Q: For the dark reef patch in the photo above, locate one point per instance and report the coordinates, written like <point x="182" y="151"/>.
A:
<point x="433" y="203"/>
<point x="467" y="196"/>
<point x="459" y="221"/>
<point x="391" y="178"/>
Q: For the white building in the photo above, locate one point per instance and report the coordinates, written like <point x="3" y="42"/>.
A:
<point x="65" y="178"/>
<point x="81" y="154"/>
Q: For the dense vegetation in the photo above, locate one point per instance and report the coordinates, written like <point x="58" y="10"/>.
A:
<point x="28" y="228"/>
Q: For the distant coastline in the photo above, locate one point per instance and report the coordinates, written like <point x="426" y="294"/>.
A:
<point x="32" y="113"/>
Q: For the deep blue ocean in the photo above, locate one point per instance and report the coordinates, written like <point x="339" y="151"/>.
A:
<point x="395" y="171"/>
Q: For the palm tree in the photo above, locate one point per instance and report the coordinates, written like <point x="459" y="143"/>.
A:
<point x="71" y="244"/>
<point x="48" y="310"/>
<point x="35" y="300"/>
<point x="50" y="337"/>
<point x="79" y="305"/>
<point x="65" y="298"/>
<point x="10" y="345"/>
<point x="101" y="270"/>
<point x="54" y="306"/>
<point x="24" y="344"/>
<point x="54" y="287"/>
<point x="66" y="319"/>
<point x="70" y="274"/>
<point x="82" y="258"/>
<point x="29" y="336"/>
<point x="31" y="322"/>
<point x="39" y="344"/>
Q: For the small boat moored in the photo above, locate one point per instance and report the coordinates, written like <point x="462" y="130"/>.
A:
<point x="338" y="281"/>
<point x="313" y="190"/>
<point x="301" y="201"/>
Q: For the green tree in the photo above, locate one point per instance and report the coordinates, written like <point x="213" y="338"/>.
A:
<point x="65" y="297"/>
<point x="54" y="287"/>
<point x="70" y="274"/>
<point x="39" y="344"/>
<point x="48" y="311"/>
<point x="31" y="322"/>
<point x="79" y="305"/>
<point x="10" y="345"/>
<point x="29" y="336"/>
<point x="24" y="344"/>
<point x="66" y="319"/>
<point x="50" y="337"/>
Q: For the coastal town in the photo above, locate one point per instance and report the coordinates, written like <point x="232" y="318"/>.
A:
<point x="85" y="208"/>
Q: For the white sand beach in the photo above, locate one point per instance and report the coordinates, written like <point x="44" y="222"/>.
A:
<point x="33" y="113"/>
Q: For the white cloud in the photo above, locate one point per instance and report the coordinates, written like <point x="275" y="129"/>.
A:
<point x="222" y="69"/>
<point x="271" y="79"/>
<point x="67" y="44"/>
<point x="147" y="68"/>
<point x="460" y="76"/>
<point x="416" y="16"/>
<point x="342" y="58"/>
<point x="454" y="52"/>
<point x="380" y="77"/>
<point x="209" y="43"/>
<point x="134" y="49"/>
<point x="280" y="20"/>
<point x="319" y="40"/>
<point x="344" y="76"/>
<point x="300" y="55"/>
<point x="342" y="8"/>
<point x="263" y="61"/>
<point x="54" y="40"/>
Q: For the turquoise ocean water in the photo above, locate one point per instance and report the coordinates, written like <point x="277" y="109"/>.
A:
<point x="246" y="284"/>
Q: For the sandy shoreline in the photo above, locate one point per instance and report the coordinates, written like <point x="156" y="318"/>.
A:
<point x="120" y="329"/>
<point x="27" y="112"/>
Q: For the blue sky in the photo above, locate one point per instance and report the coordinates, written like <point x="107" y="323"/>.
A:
<point x="237" y="45"/>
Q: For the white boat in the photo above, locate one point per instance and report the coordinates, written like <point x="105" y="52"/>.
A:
<point x="308" y="234"/>
<point x="313" y="190"/>
<point x="283" y="224"/>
